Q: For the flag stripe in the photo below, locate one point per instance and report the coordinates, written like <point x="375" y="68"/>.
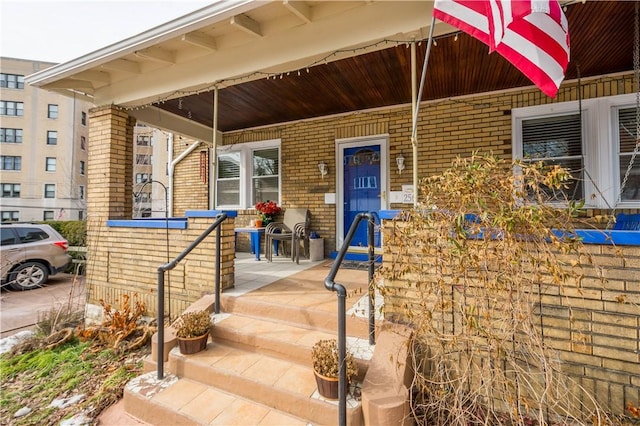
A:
<point x="531" y="34"/>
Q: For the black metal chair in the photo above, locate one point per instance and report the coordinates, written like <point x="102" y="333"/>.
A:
<point x="294" y="229"/>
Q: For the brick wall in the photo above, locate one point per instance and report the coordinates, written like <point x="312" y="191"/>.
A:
<point x="125" y="260"/>
<point x="595" y="328"/>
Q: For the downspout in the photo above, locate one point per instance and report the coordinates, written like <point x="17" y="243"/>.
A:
<point x="172" y="166"/>
<point x="214" y="154"/>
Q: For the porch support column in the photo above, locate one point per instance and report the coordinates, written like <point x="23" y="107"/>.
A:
<point x="214" y="154"/>
<point x="110" y="164"/>
<point x="414" y="115"/>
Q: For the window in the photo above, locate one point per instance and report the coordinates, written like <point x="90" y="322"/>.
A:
<point x="143" y="140"/>
<point x="52" y="137"/>
<point x="10" y="135"/>
<point x="50" y="165"/>
<point x="49" y="190"/>
<point x="11" y="81"/>
<point x="595" y="145"/>
<point x="82" y="167"/>
<point x="83" y="143"/>
<point x="81" y="192"/>
<point x="627" y="137"/>
<point x="10" y="190"/>
<point x="228" y="184"/>
<point x="48" y="215"/>
<point x="143" y="197"/>
<point x="52" y="111"/>
<point x="142" y="159"/>
<point x="10" y="216"/>
<point x="142" y="177"/>
<point x="266" y="175"/>
<point x="248" y="175"/>
<point x="10" y="162"/>
<point x="80" y="215"/>
<point x="11" y="108"/>
<point x="83" y="118"/>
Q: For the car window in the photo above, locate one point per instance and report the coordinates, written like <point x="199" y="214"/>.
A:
<point x="29" y="235"/>
<point x="8" y="236"/>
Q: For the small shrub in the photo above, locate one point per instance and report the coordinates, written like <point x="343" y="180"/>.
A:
<point x="324" y="356"/>
<point x="193" y="324"/>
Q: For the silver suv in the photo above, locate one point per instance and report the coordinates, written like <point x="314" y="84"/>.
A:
<point x="30" y="254"/>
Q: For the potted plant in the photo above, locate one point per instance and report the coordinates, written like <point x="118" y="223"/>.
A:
<point x="192" y="331"/>
<point x="266" y="211"/>
<point x="324" y="355"/>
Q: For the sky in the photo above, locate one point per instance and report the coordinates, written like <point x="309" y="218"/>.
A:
<point x="61" y="30"/>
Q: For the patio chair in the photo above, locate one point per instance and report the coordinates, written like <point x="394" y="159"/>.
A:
<point x="294" y="229"/>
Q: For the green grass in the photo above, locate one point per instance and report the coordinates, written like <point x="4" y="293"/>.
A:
<point x="34" y="379"/>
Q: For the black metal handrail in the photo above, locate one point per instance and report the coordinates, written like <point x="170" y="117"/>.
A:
<point x="167" y="267"/>
<point x="331" y="285"/>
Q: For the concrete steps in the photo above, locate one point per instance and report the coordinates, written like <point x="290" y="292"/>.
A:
<point x="256" y="370"/>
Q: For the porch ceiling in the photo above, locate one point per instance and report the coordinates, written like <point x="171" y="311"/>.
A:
<point x="237" y="47"/>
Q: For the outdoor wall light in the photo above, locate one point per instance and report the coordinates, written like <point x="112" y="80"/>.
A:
<point x="323" y="169"/>
<point x="400" y="163"/>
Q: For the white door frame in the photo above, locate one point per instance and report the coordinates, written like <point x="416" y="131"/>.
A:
<point x="341" y="145"/>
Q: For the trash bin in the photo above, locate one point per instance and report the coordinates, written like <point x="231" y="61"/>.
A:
<point x="316" y="249"/>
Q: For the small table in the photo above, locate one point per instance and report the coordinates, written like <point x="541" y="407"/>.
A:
<point x="255" y="238"/>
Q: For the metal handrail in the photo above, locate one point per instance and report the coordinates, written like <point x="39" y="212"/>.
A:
<point x="331" y="285"/>
<point x="167" y="267"/>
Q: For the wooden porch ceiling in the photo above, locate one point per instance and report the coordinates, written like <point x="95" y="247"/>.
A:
<point x="601" y="43"/>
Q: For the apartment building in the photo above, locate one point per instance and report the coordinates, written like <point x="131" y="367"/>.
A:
<point x="43" y="148"/>
<point x="151" y="153"/>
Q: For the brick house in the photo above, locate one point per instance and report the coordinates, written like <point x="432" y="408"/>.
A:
<point x="293" y="85"/>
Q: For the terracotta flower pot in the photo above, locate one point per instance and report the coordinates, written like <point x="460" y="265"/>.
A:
<point x="258" y="223"/>
<point x="192" y="345"/>
<point x="327" y="386"/>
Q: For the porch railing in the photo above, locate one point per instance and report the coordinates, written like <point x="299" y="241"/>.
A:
<point x="169" y="266"/>
<point x="331" y="285"/>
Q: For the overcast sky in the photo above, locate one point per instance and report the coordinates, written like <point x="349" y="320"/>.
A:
<point x="62" y="30"/>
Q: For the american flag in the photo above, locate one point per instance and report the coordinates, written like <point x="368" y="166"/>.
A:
<point x="531" y="34"/>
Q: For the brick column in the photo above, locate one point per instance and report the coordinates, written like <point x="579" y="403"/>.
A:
<point x="110" y="165"/>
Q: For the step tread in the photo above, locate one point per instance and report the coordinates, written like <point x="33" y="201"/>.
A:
<point x="194" y="402"/>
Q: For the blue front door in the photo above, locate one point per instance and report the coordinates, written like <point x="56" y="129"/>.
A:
<point x="362" y="189"/>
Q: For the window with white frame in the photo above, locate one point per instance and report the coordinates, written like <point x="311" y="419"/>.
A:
<point x="11" y="81"/>
<point x="10" y="162"/>
<point x="48" y="215"/>
<point x="143" y="177"/>
<point x="52" y="137"/>
<point x="83" y="118"/>
<point x="81" y="192"/>
<point x="83" y="143"/>
<point x="52" y="111"/>
<point x="596" y="145"/>
<point x="247" y="174"/>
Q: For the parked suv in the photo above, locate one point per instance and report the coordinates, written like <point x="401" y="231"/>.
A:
<point x="30" y="254"/>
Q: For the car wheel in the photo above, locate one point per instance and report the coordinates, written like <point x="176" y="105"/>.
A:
<point x="29" y="275"/>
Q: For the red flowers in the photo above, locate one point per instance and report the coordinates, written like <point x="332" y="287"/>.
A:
<point x="268" y="208"/>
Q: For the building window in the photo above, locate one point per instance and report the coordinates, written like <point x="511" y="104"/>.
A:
<point x="49" y="190"/>
<point x="81" y="192"/>
<point x="142" y="197"/>
<point x="83" y="118"/>
<point x="10" y="162"/>
<point x="143" y="140"/>
<point x="143" y="160"/>
<point x="10" y="216"/>
<point x="50" y="165"/>
<point x="52" y="137"/>
<point x="10" y="190"/>
<point x="11" y="81"/>
<point x="596" y="145"/>
<point x="11" y="108"/>
<point x="48" y="215"/>
<point x="10" y="135"/>
<point x="52" y="111"/>
<point x="80" y="215"/>
<point x="266" y="175"/>
<point x="143" y="177"/>
<point x="83" y="143"/>
<point x="249" y="175"/>
<point x="82" y="167"/>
